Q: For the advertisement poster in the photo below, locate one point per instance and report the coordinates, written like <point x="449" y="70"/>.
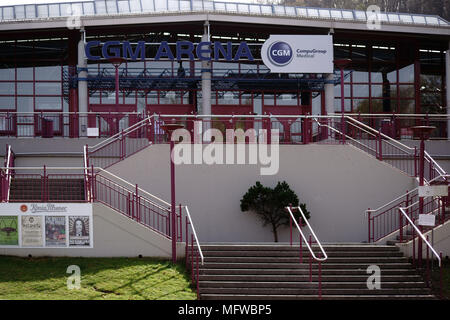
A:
<point x="79" y="231"/>
<point x="32" y="231"/>
<point x="55" y="231"/>
<point x="9" y="233"/>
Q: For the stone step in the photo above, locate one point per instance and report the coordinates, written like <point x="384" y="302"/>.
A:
<point x="295" y="247"/>
<point x="314" y="291"/>
<point x="296" y="253"/>
<point x="310" y="297"/>
<point x="304" y="271"/>
<point x="331" y="260"/>
<point x="304" y="265"/>
<point x="307" y="284"/>
<point x="290" y="278"/>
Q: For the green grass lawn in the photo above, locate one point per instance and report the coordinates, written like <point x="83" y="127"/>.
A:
<point x="101" y="278"/>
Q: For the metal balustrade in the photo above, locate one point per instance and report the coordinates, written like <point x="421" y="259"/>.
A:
<point x="127" y="7"/>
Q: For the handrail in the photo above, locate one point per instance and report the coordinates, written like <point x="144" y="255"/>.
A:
<point x="8" y="176"/>
<point x="325" y="257"/>
<point x="86" y="165"/>
<point x="409" y="192"/>
<point x="195" y="233"/>
<point x="98" y="169"/>
<point x="402" y="210"/>
<point x="130" y="184"/>
<point x="440" y="170"/>
<point x="125" y="131"/>
<point x="339" y="132"/>
<point x="380" y="133"/>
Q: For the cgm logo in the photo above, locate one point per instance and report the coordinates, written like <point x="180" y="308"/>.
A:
<point x="280" y="53"/>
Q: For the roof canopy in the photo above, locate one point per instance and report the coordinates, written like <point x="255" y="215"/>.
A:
<point x="118" y="7"/>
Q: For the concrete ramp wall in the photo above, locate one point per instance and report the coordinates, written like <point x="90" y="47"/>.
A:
<point x="337" y="183"/>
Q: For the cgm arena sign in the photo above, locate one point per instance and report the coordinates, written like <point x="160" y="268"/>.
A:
<point x="298" y="53"/>
<point x="204" y="51"/>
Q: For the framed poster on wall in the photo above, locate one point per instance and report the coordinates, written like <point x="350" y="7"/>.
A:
<point x="46" y="225"/>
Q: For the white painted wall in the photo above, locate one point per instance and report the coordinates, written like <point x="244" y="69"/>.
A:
<point x="114" y="236"/>
<point x="337" y="182"/>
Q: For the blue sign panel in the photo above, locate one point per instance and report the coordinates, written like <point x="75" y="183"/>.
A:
<point x="183" y="49"/>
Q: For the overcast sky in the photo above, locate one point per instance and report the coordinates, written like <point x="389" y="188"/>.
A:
<point x="13" y="2"/>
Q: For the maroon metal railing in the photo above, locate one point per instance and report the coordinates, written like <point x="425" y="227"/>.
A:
<point x="193" y="255"/>
<point x="131" y="203"/>
<point x="5" y="175"/>
<point x="48" y="124"/>
<point x="385" y="220"/>
<point x="120" y="146"/>
<point x="309" y="244"/>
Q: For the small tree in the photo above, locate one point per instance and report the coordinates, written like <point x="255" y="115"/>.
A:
<point x="270" y="204"/>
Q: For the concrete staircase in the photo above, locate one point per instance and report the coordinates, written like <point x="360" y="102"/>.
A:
<point x="57" y="189"/>
<point x="273" y="271"/>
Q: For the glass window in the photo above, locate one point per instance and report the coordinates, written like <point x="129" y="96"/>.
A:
<point x="48" y="73"/>
<point x="50" y="88"/>
<point x="111" y="6"/>
<point x="269" y="99"/>
<point x="208" y="5"/>
<point x="53" y="10"/>
<point x="24" y="88"/>
<point x="24" y="104"/>
<point x="360" y="76"/>
<point x="360" y="15"/>
<point x="77" y="9"/>
<point x="266" y="9"/>
<point x="7" y="74"/>
<point x="406" y="18"/>
<point x="336" y="14"/>
<point x="287" y="99"/>
<point x="185" y="6"/>
<point x="160" y="5"/>
<point x="100" y="6"/>
<point x="20" y="12"/>
<point x="48" y="103"/>
<point x="323" y="13"/>
<point x="312" y="12"/>
<point x="406" y="91"/>
<point x="220" y="6"/>
<point x="347" y="14"/>
<point x="231" y="7"/>
<point x="66" y="9"/>
<point x="393" y="17"/>
<point x="30" y="11"/>
<point x="361" y="90"/>
<point x="432" y="20"/>
<point x="406" y="74"/>
<point x="42" y="11"/>
<point x="243" y="8"/>
<point x="7" y="88"/>
<point x="290" y="11"/>
<point x="279" y="10"/>
<point x="255" y="8"/>
<point x="197" y="5"/>
<point x="302" y="12"/>
<point x="24" y="73"/>
<point x="88" y="8"/>
<point x="419" y="19"/>
<point x="8" y="13"/>
<point x="123" y="6"/>
<point x="7" y="103"/>
<point x="174" y="5"/>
